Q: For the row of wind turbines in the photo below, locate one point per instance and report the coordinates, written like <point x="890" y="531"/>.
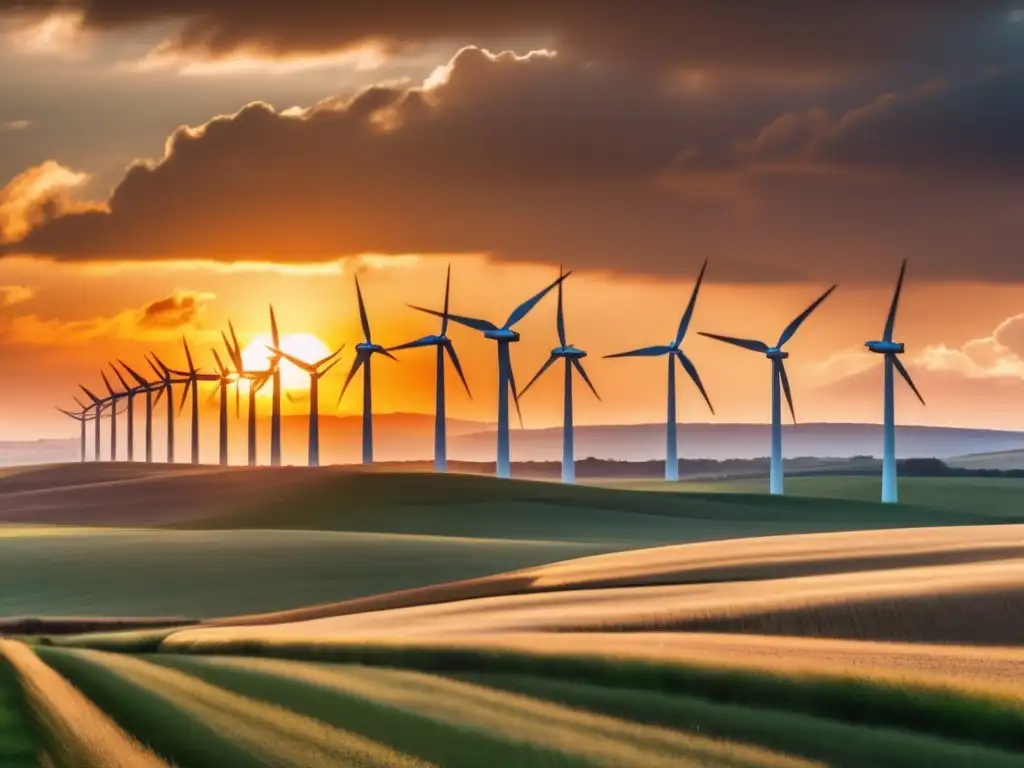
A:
<point x="165" y="379"/>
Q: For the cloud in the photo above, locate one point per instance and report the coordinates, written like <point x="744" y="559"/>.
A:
<point x="36" y="196"/>
<point x="15" y="125"/>
<point x="997" y="356"/>
<point x="15" y="294"/>
<point x="786" y="35"/>
<point x="164" y="319"/>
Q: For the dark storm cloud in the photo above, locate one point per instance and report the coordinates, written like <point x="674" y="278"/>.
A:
<point x="548" y="159"/>
<point x="826" y="35"/>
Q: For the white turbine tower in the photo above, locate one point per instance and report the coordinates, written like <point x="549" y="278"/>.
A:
<point x="506" y="379"/>
<point x="365" y="350"/>
<point x="442" y="344"/>
<point x="572" y="356"/>
<point x="779" y="377"/>
<point x="674" y="352"/>
<point x="891" y="349"/>
<point x="315" y="374"/>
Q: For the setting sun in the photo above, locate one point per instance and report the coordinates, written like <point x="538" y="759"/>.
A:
<point x="305" y="346"/>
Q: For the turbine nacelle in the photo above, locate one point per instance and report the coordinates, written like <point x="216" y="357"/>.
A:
<point x="369" y="348"/>
<point x="776" y="353"/>
<point x="502" y="334"/>
<point x="885" y="347"/>
<point x="568" y="351"/>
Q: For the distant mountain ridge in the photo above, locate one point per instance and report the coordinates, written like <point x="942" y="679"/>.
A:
<point x="409" y="437"/>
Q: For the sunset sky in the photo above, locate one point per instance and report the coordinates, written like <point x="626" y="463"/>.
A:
<point x="170" y="164"/>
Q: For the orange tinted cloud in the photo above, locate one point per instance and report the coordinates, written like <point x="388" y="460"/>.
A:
<point x="36" y="196"/>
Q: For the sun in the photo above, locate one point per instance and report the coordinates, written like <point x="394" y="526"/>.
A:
<point x="305" y="346"/>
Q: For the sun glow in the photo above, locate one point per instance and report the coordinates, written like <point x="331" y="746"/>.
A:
<point x="305" y="346"/>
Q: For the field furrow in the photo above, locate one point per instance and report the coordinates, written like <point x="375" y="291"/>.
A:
<point x="77" y="734"/>
<point x="603" y="740"/>
<point x="17" y="735"/>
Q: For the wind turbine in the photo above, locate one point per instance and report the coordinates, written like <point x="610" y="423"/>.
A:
<point x="891" y="349"/>
<point x="129" y="395"/>
<point x="114" y="397"/>
<point x="256" y="381"/>
<point x="148" y="387"/>
<point x="192" y="377"/>
<point x="81" y="417"/>
<point x="674" y="352"/>
<point x="167" y="382"/>
<point x="97" y="407"/>
<point x="275" y="407"/>
<point x="777" y="356"/>
<point x="224" y="378"/>
<point x="572" y="356"/>
<point x="365" y="350"/>
<point x="443" y="344"/>
<point x="506" y="379"/>
<point x="315" y="374"/>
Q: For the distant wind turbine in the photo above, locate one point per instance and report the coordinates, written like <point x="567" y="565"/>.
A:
<point x="443" y="344"/>
<point x="192" y="377"/>
<point x="506" y="378"/>
<point x="779" y="377"/>
<point x="224" y="380"/>
<point x="129" y="396"/>
<point x="168" y="382"/>
<point x="97" y="407"/>
<point x="275" y="407"/>
<point x="81" y="417"/>
<point x="891" y="349"/>
<point x="315" y="374"/>
<point x="114" y="397"/>
<point x="256" y="381"/>
<point x="674" y="352"/>
<point x="572" y="356"/>
<point x="365" y="350"/>
<point x="148" y="387"/>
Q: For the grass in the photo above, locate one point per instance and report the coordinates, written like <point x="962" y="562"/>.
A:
<point x="17" y="735"/>
<point x="943" y="712"/>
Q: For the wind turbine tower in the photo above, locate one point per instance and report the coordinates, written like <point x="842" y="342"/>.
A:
<point x="443" y="345"/>
<point x="147" y="387"/>
<point x="572" y="356"/>
<point x="365" y="350"/>
<point x="891" y="349"/>
<point x="315" y="374"/>
<point x="256" y="381"/>
<point x="114" y="397"/>
<point x="779" y="379"/>
<point x="81" y="417"/>
<point x="504" y="336"/>
<point x="192" y="377"/>
<point x="97" y="407"/>
<point x="129" y="396"/>
<point x="674" y="353"/>
<point x="275" y="408"/>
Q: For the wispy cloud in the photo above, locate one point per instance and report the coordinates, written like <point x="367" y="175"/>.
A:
<point x="15" y="125"/>
<point x="15" y="294"/>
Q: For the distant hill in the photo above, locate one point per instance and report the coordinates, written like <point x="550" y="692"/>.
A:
<point x="410" y="437"/>
<point x="998" y="460"/>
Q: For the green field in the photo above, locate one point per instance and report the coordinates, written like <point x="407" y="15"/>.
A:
<point x="17" y="739"/>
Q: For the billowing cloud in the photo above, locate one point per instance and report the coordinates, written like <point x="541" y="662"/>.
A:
<point x="36" y="196"/>
<point x="164" y="319"/>
<point x="786" y="35"/>
<point x="542" y="158"/>
<point x="999" y="355"/>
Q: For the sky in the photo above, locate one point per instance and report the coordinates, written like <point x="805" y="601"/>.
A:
<point x="168" y="166"/>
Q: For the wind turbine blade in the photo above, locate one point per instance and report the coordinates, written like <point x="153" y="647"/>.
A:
<point x="387" y="354"/>
<point x="425" y="341"/>
<point x="330" y="357"/>
<point x="691" y="369"/>
<point x="90" y="395"/>
<point x="142" y="382"/>
<point x="157" y="371"/>
<point x="234" y="339"/>
<point x="236" y="359"/>
<point x="120" y="378"/>
<point x="213" y="394"/>
<point x="906" y="376"/>
<point x="184" y="395"/>
<point x="644" y="352"/>
<point x="447" y="290"/>
<point x="260" y="381"/>
<point x="308" y="367"/>
<point x="74" y="416"/>
<point x="785" y="388"/>
<point x="688" y="314"/>
<point x="106" y="382"/>
<point x="799" y="319"/>
<point x="547" y="364"/>
<point x="356" y="365"/>
<point x="159" y="393"/>
<point x="164" y="368"/>
<point x="274" y="335"/>
<point x="323" y="373"/>
<point x="188" y="355"/>
<point x="221" y="369"/>
<point x="81" y="405"/>
<point x="450" y="348"/>
<point x="470" y="322"/>
<point x="560" y="317"/>
<point x="579" y="369"/>
<point x="363" y="319"/>
<point x="523" y="309"/>
<point x="515" y="392"/>
<point x="752" y="344"/>
<point x="890" y="321"/>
